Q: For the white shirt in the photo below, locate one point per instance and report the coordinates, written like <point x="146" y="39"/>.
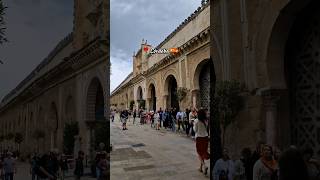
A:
<point x="226" y="166"/>
<point x="156" y="117"/>
<point x="200" y="129"/>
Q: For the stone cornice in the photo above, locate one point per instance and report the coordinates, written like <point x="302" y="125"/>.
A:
<point x="204" y="5"/>
<point x="62" y="44"/>
<point x="184" y="49"/>
<point x="71" y="64"/>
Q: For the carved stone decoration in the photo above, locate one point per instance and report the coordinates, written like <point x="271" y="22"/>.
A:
<point x="305" y="84"/>
<point x="204" y="80"/>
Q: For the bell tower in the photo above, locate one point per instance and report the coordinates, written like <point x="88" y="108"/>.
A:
<point x="89" y="22"/>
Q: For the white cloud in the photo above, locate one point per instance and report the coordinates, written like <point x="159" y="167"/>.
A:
<point x="134" y="20"/>
<point x="121" y="67"/>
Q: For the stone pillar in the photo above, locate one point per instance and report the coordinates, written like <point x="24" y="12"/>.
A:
<point x="148" y="104"/>
<point x="195" y="99"/>
<point x="165" y="101"/>
<point x="270" y="100"/>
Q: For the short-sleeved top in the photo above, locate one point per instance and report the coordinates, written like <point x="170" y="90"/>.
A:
<point x="223" y="168"/>
<point x="261" y="172"/>
<point x="200" y="129"/>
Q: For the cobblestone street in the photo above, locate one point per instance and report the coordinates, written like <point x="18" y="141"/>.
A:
<point x="143" y="153"/>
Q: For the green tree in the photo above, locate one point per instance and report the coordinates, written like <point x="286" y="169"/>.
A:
<point x="228" y="101"/>
<point x="70" y="130"/>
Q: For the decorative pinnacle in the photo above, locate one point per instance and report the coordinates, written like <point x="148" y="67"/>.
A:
<point x="203" y="2"/>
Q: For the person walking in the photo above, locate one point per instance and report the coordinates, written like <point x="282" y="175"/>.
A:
<point x="161" y="117"/>
<point x="185" y="121"/>
<point x="124" y="117"/>
<point x="166" y="119"/>
<point x="202" y="140"/>
<point x="64" y="166"/>
<point x="157" y="120"/>
<point x="9" y="167"/>
<point x="266" y="168"/>
<point x="179" y="118"/>
<point x="42" y="168"/>
<point x="103" y="166"/>
<point x="112" y="115"/>
<point x="134" y="115"/>
<point x="224" y="167"/>
<point x="152" y="119"/>
<point x="33" y="164"/>
<point x="192" y="117"/>
<point x="53" y="163"/>
<point x="172" y="121"/>
<point x="78" y="171"/>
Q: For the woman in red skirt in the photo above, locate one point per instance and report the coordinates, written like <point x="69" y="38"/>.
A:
<point x="202" y="139"/>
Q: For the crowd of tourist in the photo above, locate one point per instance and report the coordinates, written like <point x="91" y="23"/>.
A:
<point x="170" y="119"/>
<point x="264" y="163"/>
<point x="54" y="166"/>
<point x="7" y="165"/>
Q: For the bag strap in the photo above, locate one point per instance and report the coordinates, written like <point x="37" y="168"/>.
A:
<point x="268" y="167"/>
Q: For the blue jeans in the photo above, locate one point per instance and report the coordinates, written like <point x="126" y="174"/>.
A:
<point x="98" y="172"/>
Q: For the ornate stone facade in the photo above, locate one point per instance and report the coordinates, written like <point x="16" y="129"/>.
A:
<point x="270" y="47"/>
<point x="157" y="77"/>
<point x="71" y="84"/>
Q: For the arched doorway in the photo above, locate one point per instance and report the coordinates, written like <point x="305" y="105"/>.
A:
<point x="172" y="86"/>
<point x="302" y="67"/>
<point x="202" y="83"/>
<point x="53" y="123"/>
<point x="139" y="93"/>
<point x="95" y="101"/>
<point x="69" y="110"/>
<point x="95" y="119"/>
<point x="153" y="98"/>
<point x="141" y="102"/>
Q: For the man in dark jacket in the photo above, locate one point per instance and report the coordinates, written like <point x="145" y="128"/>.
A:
<point x="78" y="171"/>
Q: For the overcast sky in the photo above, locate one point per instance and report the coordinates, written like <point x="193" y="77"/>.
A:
<point x="133" y="20"/>
<point x="34" y="27"/>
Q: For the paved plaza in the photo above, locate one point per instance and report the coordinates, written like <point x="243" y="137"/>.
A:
<point x="23" y="173"/>
<point x="143" y="153"/>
